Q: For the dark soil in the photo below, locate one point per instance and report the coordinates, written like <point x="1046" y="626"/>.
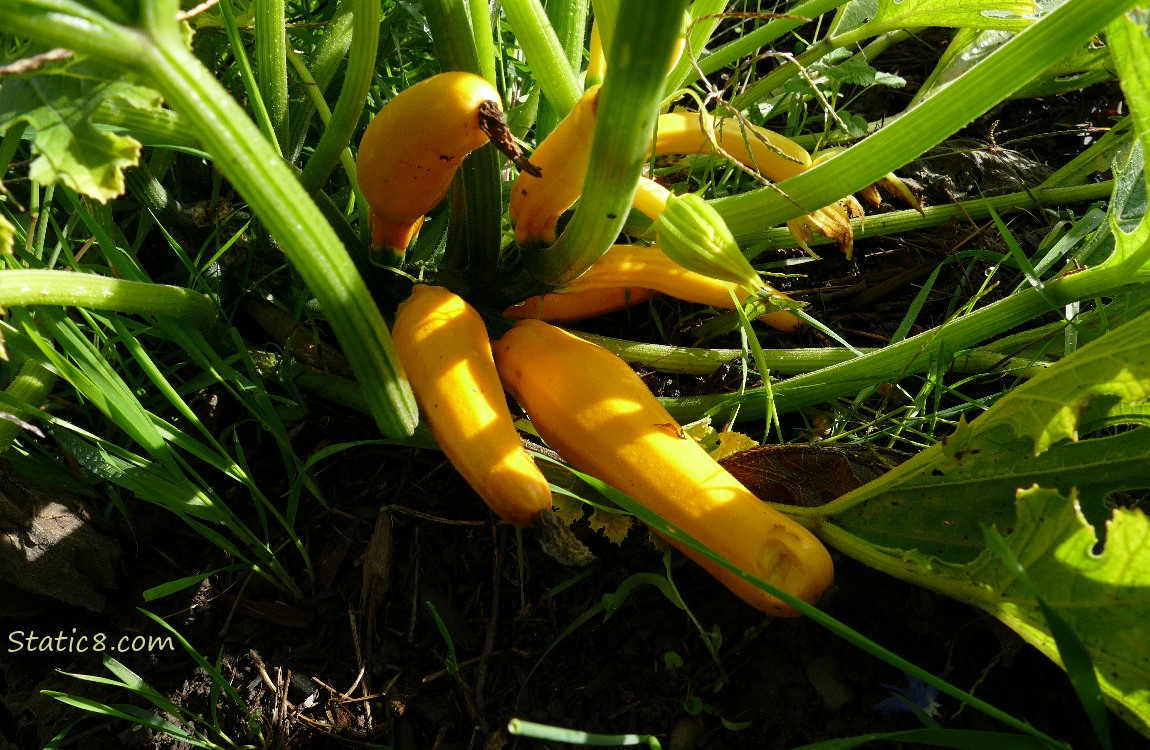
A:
<point x="319" y="673"/>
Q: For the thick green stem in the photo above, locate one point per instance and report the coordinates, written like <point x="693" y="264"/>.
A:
<point x="569" y="19"/>
<point x="20" y="287"/>
<point x="322" y="64"/>
<point x="245" y="158"/>
<point x="906" y="220"/>
<point x="251" y="85"/>
<point x="61" y="23"/>
<point x="918" y="129"/>
<point x="705" y="17"/>
<point x="483" y="38"/>
<point x="356" y="83"/>
<point x="755" y="41"/>
<point x="544" y="53"/>
<point x="474" y="233"/>
<point x="271" y="64"/>
<point x="628" y="109"/>
<point x="915" y="354"/>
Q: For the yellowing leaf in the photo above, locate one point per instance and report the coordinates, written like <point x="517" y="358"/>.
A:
<point x="731" y="443"/>
<point x="614" y="526"/>
<point x="568" y="509"/>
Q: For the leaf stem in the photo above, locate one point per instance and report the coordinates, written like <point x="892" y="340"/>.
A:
<point x="628" y="109"/>
<point x="913" y="132"/>
<point x="24" y="287"/>
<point x="245" y="158"/>
<point x="544" y="53"/>
<point x="357" y="78"/>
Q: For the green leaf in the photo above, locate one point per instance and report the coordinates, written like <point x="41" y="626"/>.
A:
<point x="58" y="104"/>
<point x="854" y="72"/>
<point x="1023" y="467"/>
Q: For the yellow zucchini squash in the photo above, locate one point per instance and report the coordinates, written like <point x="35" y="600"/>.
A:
<point x="649" y="267"/>
<point x="589" y="303"/>
<point x="592" y="408"/>
<point x="775" y="156"/>
<point x="412" y="148"/>
<point x="443" y="346"/>
<point x="563" y="156"/>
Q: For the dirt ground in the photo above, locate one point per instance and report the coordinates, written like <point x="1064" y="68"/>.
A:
<point x="321" y="674"/>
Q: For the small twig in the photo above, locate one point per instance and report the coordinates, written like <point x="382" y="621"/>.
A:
<point x="35" y="62"/>
<point x="193" y="12"/>
<point x="435" y="519"/>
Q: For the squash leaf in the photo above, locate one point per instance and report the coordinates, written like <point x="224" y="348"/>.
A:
<point x="1023" y="467"/>
<point x="568" y="508"/>
<point x="614" y="526"/>
<point x="57" y="103"/>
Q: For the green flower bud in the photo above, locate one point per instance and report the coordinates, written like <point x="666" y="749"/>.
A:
<point x="693" y="234"/>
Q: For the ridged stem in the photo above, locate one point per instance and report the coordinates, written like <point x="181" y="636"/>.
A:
<point x="569" y="20"/>
<point x="916" y="354"/>
<point x="477" y="199"/>
<point x="544" y="53"/>
<point x="271" y="64"/>
<point x="628" y="109"/>
<point x="269" y="186"/>
<point x="356" y="83"/>
<point x="25" y="287"/>
<point x="915" y="131"/>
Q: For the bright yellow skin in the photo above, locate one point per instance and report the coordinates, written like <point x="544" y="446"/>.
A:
<point x="563" y="156"/>
<point x="412" y="148"/>
<point x="592" y="408"/>
<point x="753" y="146"/>
<point x="588" y="303"/>
<point x="443" y="346"/>
<point x="649" y="267"/>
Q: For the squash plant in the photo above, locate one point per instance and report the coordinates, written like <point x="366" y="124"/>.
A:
<point x="1036" y="466"/>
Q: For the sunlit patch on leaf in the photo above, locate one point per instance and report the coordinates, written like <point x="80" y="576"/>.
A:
<point x="57" y="103"/>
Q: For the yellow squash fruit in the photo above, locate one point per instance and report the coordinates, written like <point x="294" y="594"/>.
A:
<point x="537" y="201"/>
<point x="589" y="303"/>
<point x="412" y="148"/>
<point x="443" y="346"/>
<point x="649" y="267"/>
<point x="592" y="408"/>
<point x="775" y="156"/>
